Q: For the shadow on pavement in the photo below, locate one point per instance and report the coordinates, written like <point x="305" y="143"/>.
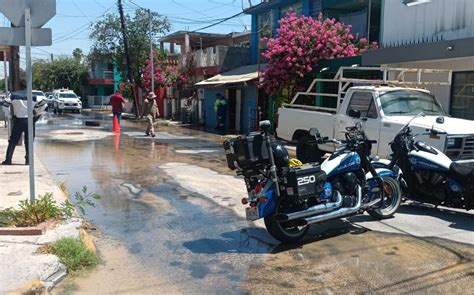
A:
<point x="458" y="220"/>
<point x="245" y="241"/>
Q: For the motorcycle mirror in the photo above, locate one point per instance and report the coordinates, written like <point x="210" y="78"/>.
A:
<point x="314" y="132"/>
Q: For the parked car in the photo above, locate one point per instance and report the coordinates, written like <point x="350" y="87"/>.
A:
<point x="382" y="110"/>
<point x="66" y="100"/>
<point x="50" y="100"/>
<point x="39" y="95"/>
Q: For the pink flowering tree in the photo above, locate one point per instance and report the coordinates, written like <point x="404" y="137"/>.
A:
<point x="301" y="43"/>
<point x="164" y="74"/>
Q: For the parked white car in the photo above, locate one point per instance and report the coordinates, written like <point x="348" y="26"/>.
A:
<point x="66" y="100"/>
<point x="382" y="110"/>
<point x="39" y="95"/>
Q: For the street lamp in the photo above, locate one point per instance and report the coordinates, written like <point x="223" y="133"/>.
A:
<point x="415" y="2"/>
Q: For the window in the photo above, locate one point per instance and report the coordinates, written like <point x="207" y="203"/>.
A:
<point x="316" y="8"/>
<point x="67" y="95"/>
<point x="462" y="95"/>
<point x="265" y="24"/>
<point x="363" y="102"/>
<point x="410" y="103"/>
<point x="296" y="7"/>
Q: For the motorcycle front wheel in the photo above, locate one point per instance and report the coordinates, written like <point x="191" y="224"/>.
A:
<point x="284" y="231"/>
<point x="391" y="202"/>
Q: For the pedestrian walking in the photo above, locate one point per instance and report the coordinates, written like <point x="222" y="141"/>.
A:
<point x="150" y="112"/>
<point x="18" y="102"/>
<point x="117" y="101"/>
<point x="220" y="107"/>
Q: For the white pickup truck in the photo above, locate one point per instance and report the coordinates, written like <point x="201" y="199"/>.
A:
<point x="382" y="110"/>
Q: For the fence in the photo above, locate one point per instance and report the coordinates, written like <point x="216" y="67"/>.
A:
<point x="98" y="101"/>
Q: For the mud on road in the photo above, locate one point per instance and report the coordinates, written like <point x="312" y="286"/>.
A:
<point x="348" y="259"/>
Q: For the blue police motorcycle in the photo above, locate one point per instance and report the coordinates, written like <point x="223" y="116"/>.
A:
<point x="292" y="197"/>
<point x="427" y="175"/>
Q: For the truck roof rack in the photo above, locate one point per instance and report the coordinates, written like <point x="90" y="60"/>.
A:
<point x="392" y="77"/>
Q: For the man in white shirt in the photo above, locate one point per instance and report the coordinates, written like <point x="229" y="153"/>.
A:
<point x="18" y="102"/>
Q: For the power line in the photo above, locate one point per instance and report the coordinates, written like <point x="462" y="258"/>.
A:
<point x="219" y="22"/>
<point x="77" y="31"/>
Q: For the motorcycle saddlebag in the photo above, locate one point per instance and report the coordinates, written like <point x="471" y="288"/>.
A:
<point x="246" y="151"/>
<point x="304" y="181"/>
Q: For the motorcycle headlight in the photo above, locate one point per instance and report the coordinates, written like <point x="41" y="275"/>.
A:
<point x="454" y="142"/>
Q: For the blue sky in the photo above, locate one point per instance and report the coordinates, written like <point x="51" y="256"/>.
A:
<point x="71" y="24"/>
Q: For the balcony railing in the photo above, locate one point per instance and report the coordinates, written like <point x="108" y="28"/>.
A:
<point x="109" y="75"/>
<point x="224" y="57"/>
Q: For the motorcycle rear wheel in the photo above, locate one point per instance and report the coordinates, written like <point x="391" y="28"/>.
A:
<point x="290" y="234"/>
<point x="392" y="201"/>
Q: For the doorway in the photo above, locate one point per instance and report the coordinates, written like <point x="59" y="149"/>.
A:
<point x="232" y="108"/>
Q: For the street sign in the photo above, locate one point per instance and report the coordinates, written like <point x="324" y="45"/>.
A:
<point x="41" y="11"/>
<point x="16" y="36"/>
<point x="28" y="16"/>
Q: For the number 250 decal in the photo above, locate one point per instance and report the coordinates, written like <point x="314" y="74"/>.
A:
<point x="306" y="179"/>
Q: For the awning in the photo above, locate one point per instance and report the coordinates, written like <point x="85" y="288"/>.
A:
<point x="238" y="75"/>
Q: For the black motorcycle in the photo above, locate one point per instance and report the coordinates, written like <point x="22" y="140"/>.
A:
<point x="428" y="175"/>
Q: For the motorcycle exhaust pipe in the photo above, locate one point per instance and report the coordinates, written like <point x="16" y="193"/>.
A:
<point x="371" y="204"/>
<point x="338" y="213"/>
<point x="282" y="217"/>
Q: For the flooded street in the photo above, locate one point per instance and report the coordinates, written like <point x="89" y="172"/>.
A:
<point x="170" y="220"/>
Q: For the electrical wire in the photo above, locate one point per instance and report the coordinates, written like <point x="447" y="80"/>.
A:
<point x="77" y="31"/>
<point x="219" y="22"/>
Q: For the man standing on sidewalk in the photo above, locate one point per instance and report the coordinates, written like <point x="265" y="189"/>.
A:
<point x="150" y="112"/>
<point x="117" y="101"/>
<point x="18" y="101"/>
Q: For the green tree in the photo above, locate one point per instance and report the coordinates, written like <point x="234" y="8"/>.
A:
<point x="62" y="72"/>
<point x="108" y="40"/>
<point x="77" y="54"/>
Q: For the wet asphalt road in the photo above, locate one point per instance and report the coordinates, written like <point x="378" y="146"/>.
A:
<point x="170" y="221"/>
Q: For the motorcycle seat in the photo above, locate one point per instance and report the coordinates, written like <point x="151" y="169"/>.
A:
<point x="461" y="171"/>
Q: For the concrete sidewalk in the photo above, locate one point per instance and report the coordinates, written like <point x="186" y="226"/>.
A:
<point x="20" y="265"/>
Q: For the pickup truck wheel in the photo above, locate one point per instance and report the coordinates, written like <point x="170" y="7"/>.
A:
<point x="307" y="150"/>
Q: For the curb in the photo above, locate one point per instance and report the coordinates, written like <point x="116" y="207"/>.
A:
<point x="55" y="278"/>
<point x="27" y="231"/>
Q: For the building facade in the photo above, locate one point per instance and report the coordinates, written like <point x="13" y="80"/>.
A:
<point x="363" y="15"/>
<point x="104" y="80"/>
<point x="436" y="34"/>
<point x="206" y="55"/>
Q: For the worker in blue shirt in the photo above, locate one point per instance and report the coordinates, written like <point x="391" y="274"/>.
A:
<point x="18" y="103"/>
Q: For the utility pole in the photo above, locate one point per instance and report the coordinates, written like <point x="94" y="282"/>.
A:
<point x="127" y="55"/>
<point x="52" y="82"/>
<point x="368" y="22"/>
<point x="5" y="75"/>
<point x="14" y="65"/>
<point x="152" y="77"/>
